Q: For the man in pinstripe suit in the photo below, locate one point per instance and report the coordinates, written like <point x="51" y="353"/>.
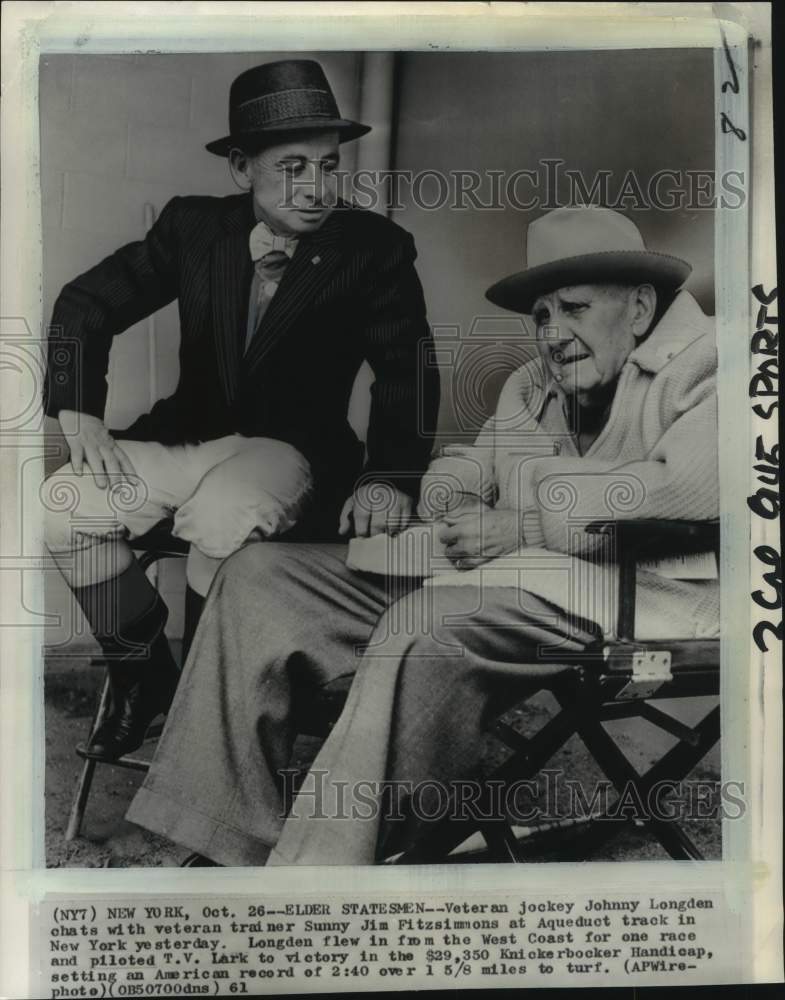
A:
<point x="283" y="293"/>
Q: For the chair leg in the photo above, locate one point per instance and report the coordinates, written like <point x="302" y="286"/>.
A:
<point x="85" y="782"/>
<point x="674" y="840"/>
<point x="501" y="841"/>
<point x="79" y="803"/>
<point x="673" y="766"/>
<point x="622" y="774"/>
<point x="446" y="834"/>
<point x="680" y="760"/>
<point x="103" y="706"/>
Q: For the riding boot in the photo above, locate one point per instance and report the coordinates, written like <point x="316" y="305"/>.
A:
<point x="139" y="694"/>
<point x="128" y="617"/>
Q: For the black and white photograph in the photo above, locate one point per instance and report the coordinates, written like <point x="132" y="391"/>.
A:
<point x="394" y="442"/>
<point x="336" y="398"/>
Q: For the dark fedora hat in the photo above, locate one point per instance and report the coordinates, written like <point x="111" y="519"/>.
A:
<point x="582" y="245"/>
<point x="280" y="97"/>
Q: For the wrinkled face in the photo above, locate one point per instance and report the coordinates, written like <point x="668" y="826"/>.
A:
<point x="585" y="334"/>
<point x="294" y="183"/>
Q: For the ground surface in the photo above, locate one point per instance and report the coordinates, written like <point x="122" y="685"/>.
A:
<point x="107" y="840"/>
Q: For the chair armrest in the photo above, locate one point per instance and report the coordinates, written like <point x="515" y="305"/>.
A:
<point x="635" y="539"/>
<point x="661" y="535"/>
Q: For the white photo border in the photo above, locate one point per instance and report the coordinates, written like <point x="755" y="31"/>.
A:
<point x="750" y="874"/>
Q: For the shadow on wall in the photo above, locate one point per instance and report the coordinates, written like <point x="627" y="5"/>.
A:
<point x="632" y="114"/>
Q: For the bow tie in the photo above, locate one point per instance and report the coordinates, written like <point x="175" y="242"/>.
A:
<point x="262" y="241"/>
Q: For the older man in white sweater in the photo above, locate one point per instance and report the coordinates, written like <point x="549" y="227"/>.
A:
<point x="615" y="418"/>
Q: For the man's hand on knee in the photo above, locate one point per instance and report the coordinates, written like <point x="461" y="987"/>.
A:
<point x="89" y="441"/>
<point x="374" y="508"/>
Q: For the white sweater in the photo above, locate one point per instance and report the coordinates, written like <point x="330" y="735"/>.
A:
<point x="655" y="458"/>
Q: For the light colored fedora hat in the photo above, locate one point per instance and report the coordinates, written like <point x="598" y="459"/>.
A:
<point x="583" y="245"/>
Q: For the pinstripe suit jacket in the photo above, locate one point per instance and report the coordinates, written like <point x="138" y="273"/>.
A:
<point x="350" y="293"/>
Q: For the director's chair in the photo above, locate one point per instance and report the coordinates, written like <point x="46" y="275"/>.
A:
<point x="610" y="680"/>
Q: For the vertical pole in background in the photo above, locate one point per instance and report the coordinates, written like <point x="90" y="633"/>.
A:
<point x="152" y="362"/>
<point x="152" y="340"/>
<point x="374" y="154"/>
<point x="377" y="108"/>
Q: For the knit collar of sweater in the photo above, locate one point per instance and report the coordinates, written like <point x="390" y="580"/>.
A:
<point x="683" y="322"/>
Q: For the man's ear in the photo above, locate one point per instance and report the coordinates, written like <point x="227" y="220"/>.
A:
<point x="240" y="168"/>
<point x="644" y="306"/>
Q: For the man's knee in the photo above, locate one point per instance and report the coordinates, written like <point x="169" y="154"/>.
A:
<point x="255" y="566"/>
<point x="200" y="570"/>
<point x="418" y="627"/>
<point x="259" y="492"/>
<point x="60" y="498"/>
<point x="264" y="583"/>
<point x="76" y="513"/>
<point x="58" y="531"/>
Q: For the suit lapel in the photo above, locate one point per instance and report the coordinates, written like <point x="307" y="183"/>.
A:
<point x="230" y="276"/>
<point x="314" y="261"/>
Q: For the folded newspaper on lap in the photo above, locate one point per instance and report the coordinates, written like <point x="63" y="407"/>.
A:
<point x="417" y="552"/>
<point x="589" y="589"/>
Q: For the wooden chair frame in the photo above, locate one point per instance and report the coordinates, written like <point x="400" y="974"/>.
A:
<point x="611" y="680"/>
<point x="616" y="679"/>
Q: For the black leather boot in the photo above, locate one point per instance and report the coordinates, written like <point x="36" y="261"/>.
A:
<point x="140" y="692"/>
<point x="142" y="683"/>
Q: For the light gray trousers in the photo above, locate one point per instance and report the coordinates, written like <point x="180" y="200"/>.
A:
<point x="433" y="667"/>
